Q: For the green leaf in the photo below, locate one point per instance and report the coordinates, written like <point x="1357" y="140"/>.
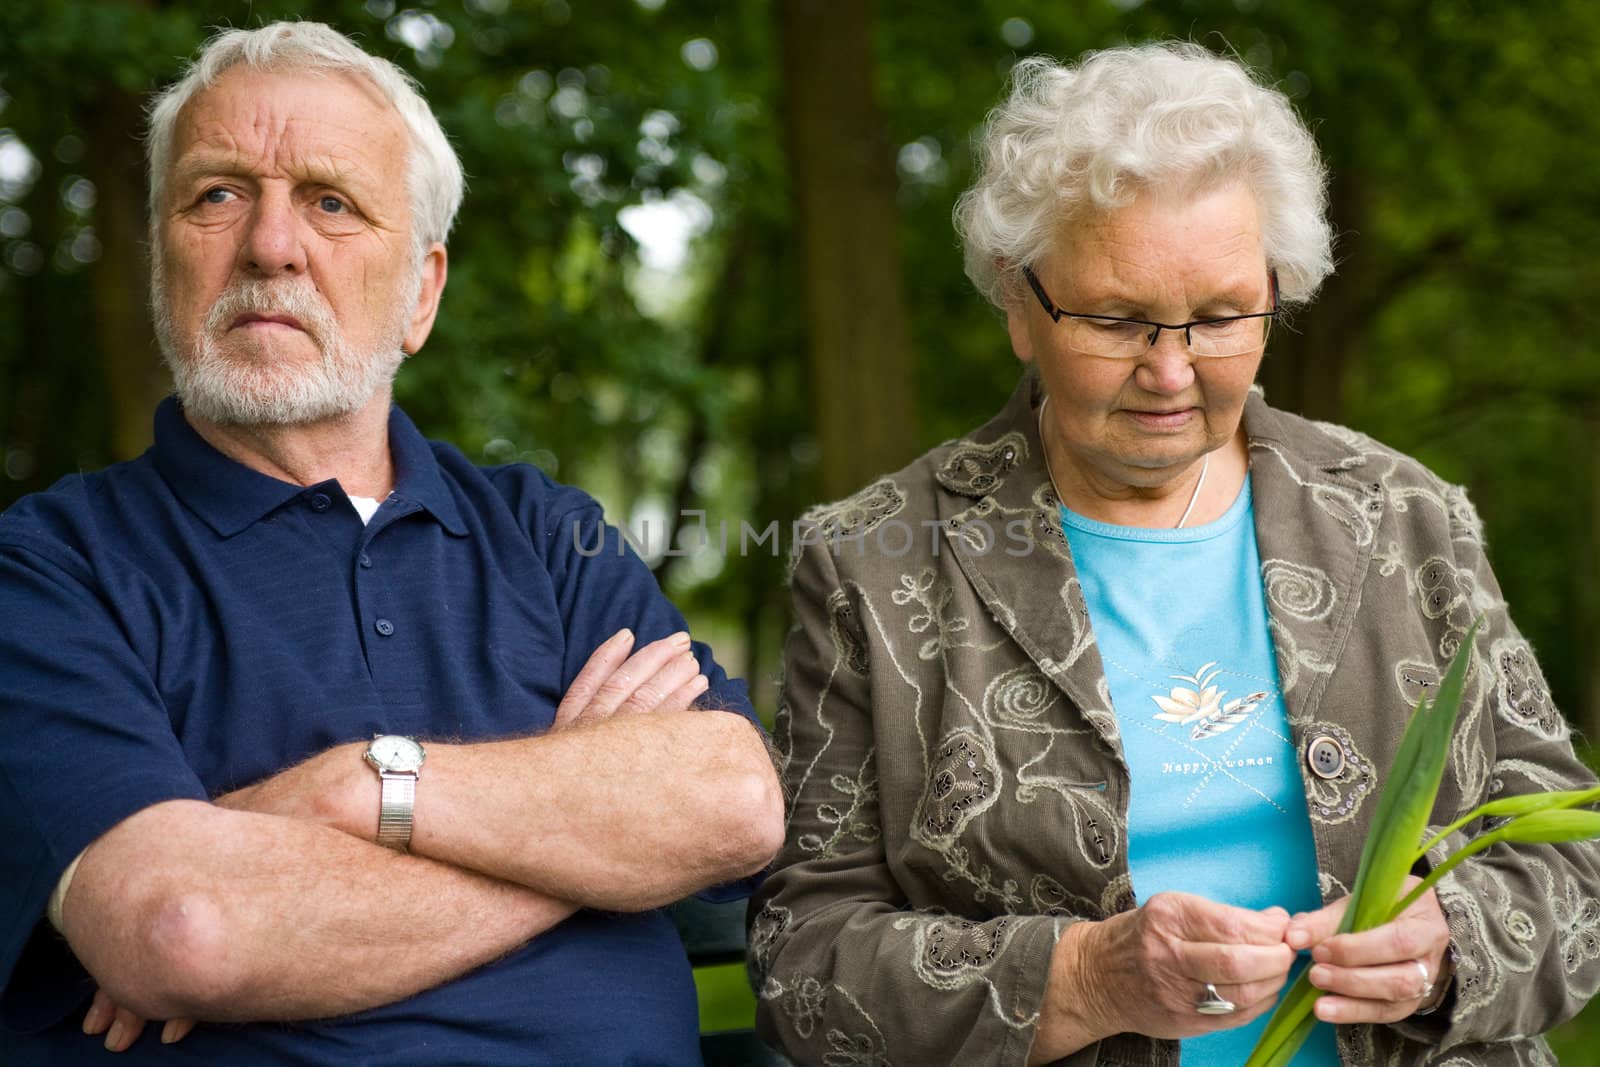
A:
<point x="1291" y="1021"/>
<point x="1399" y="820"/>
<point x="1521" y="804"/>
<point x="1414" y="793"/>
<point x="1551" y="827"/>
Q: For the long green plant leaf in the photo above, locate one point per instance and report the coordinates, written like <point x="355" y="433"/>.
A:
<point x="1399" y="819"/>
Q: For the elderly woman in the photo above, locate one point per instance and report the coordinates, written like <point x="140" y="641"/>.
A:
<point x="1080" y="776"/>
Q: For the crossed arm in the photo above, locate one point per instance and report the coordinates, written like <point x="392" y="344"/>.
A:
<point x="272" y="903"/>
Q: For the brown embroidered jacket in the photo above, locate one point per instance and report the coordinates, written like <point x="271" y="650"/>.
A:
<point x="959" y="795"/>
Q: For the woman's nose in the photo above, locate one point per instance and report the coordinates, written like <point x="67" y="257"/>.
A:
<point x="1167" y="366"/>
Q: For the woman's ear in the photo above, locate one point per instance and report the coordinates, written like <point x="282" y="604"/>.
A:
<point x="1017" y="327"/>
<point x="1016" y="309"/>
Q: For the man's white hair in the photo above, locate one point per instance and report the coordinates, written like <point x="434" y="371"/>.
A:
<point x="1072" y="141"/>
<point x="433" y="172"/>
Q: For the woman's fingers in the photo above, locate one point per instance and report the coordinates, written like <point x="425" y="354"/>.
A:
<point x="1313" y="927"/>
<point x="1419" y="934"/>
<point x="601" y="665"/>
<point x="1380" y="975"/>
<point x="1393" y="983"/>
<point x="1404" y="939"/>
<point x="1196" y="919"/>
<point x="1250" y="1000"/>
<point x="1236" y="964"/>
<point x="1395" y="992"/>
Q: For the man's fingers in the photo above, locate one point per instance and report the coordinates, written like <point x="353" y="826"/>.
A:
<point x="652" y="693"/>
<point x="125" y="1030"/>
<point x="1236" y="964"/>
<point x="1312" y="927"/>
<point x="640" y="667"/>
<point x="101" y="1012"/>
<point x="602" y="663"/>
<point x="686" y="693"/>
<point x="176" y="1030"/>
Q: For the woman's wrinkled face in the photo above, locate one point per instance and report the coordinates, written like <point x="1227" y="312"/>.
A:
<point x="1141" y="422"/>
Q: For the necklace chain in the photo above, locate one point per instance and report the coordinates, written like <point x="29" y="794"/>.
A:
<point x="1205" y="465"/>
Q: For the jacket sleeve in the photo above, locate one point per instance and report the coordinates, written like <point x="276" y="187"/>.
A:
<point x="1524" y="919"/>
<point x="845" y="969"/>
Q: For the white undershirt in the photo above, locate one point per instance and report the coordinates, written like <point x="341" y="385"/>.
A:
<point x="365" y="506"/>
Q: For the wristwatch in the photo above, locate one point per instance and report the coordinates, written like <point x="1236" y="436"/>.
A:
<point x="398" y="760"/>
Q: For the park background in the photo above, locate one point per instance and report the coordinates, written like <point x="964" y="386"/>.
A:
<point x="705" y="262"/>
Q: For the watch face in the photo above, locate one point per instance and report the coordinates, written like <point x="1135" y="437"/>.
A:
<point x="392" y="752"/>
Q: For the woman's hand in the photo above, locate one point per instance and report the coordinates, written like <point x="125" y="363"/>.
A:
<point x="1377" y="975"/>
<point x="1143" y="972"/>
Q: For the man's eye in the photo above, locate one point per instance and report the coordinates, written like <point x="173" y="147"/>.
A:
<point x="215" y="196"/>
<point x="332" y="205"/>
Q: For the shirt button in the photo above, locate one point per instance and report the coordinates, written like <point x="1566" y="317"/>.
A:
<point x="320" y="502"/>
<point x="384" y="627"/>
<point x="1325" y="756"/>
<point x="365" y="560"/>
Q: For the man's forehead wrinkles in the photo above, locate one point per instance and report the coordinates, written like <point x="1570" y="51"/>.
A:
<point x="219" y="151"/>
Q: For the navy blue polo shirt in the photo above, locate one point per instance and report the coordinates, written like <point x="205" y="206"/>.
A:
<point x="179" y="626"/>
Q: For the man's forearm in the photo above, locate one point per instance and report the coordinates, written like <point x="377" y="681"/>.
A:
<point x="190" y="910"/>
<point x="628" y="813"/>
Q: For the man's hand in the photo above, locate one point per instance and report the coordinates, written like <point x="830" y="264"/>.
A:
<point x="335" y="788"/>
<point x="661" y="676"/>
<point x="122" y="1027"/>
<point x="1377" y="975"/>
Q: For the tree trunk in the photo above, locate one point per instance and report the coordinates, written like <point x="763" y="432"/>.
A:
<point x="843" y="182"/>
<point x="1304" y="369"/>
<point x="135" y="379"/>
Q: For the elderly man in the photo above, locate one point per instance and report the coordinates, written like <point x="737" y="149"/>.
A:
<point x="314" y="731"/>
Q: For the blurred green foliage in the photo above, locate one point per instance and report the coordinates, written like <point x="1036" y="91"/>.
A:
<point x="1461" y="134"/>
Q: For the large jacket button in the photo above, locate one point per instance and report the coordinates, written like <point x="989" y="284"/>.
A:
<point x="1325" y="756"/>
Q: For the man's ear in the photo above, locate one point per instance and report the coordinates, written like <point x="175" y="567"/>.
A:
<point x="435" y="268"/>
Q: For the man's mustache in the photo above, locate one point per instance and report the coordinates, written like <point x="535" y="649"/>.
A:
<point x="272" y="300"/>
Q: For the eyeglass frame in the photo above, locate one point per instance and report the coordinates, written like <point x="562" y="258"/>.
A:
<point x="1057" y="314"/>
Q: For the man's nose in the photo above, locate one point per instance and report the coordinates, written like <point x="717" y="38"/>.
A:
<point x="274" y="242"/>
<point x="1168" y="365"/>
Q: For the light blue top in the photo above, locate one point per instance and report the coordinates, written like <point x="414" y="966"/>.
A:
<point x="1216" y="807"/>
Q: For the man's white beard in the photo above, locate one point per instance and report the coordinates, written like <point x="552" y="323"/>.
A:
<point x="235" y="392"/>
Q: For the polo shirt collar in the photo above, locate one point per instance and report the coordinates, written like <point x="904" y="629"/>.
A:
<point x="416" y="473"/>
<point x="231" y="497"/>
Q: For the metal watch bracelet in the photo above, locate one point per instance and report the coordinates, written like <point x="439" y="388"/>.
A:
<point x="395" y="807"/>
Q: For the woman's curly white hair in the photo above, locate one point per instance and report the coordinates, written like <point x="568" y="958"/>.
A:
<point x="1071" y="141"/>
